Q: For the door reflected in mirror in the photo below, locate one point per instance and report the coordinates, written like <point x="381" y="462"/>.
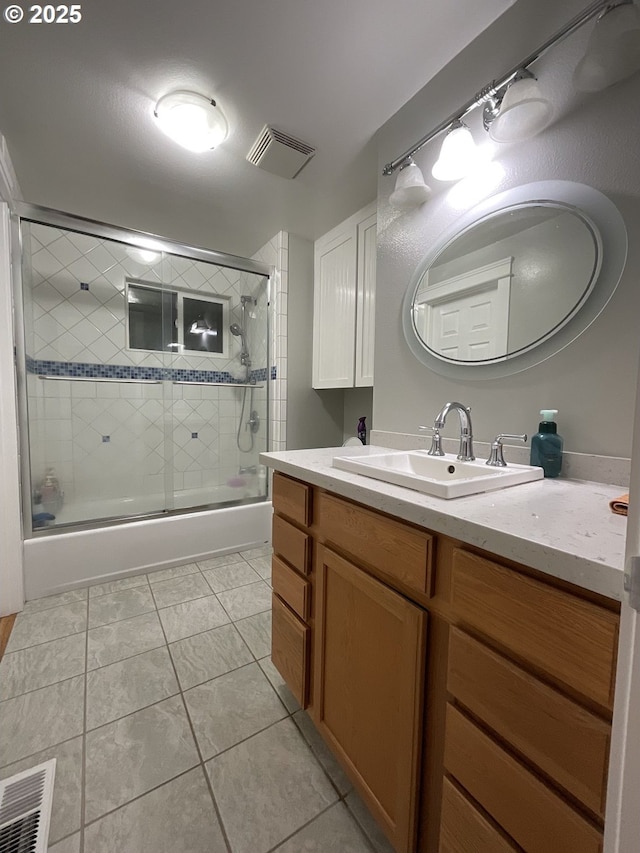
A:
<point x="506" y="283"/>
<point x="515" y="280"/>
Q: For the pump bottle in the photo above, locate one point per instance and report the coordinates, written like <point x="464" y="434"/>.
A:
<point x="546" y="445"/>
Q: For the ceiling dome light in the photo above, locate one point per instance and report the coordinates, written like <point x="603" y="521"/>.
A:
<point x="410" y="190"/>
<point x="458" y="155"/>
<point x="193" y="121"/>
<point x="613" y="50"/>
<point x="523" y="112"/>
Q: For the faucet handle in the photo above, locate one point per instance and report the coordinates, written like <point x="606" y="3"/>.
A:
<point x="496" y="455"/>
<point x="436" y="441"/>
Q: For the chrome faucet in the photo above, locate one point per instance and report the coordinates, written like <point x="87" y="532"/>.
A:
<point x="465" y="452"/>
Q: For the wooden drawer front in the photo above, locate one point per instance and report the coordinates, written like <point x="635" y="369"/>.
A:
<point x="536" y="818"/>
<point x="291" y="588"/>
<point x="463" y="829"/>
<point x="292" y="545"/>
<point x="566" y="742"/>
<point x="290" y="650"/>
<point x="571" y="639"/>
<point x="292" y="498"/>
<point x="389" y="546"/>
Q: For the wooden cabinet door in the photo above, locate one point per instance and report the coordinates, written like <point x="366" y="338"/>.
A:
<point x="370" y="645"/>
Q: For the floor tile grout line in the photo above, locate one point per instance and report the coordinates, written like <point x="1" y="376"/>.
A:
<point x="83" y="769"/>
<point x="38" y="751"/>
<point x="223" y="830"/>
<point x="138" y="797"/>
<point x="44" y="687"/>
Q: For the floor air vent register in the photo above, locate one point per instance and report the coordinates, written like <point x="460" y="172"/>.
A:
<point x="25" y="809"/>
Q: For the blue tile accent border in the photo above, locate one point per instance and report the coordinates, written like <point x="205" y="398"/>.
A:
<point x="83" y="370"/>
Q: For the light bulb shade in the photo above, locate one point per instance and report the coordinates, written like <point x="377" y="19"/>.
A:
<point x="524" y="111"/>
<point x="458" y="155"/>
<point x="191" y="120"/>
<point x="410" y="190"/>
<point x="613" y="50"/>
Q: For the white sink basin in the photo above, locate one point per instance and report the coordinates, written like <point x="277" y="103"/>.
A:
<point x="440" y="476"/>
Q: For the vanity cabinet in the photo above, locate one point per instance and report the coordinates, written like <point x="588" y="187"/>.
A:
<point x="468" y="697"/>
<point x="344" y="303"/>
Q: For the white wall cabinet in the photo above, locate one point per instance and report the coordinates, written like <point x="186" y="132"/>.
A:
<point x="344" y="303"/>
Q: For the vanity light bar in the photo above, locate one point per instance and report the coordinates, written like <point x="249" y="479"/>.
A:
<point x="491" y="89"/>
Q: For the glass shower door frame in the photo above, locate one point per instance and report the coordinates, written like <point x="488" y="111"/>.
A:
<point x="53" y="218"/>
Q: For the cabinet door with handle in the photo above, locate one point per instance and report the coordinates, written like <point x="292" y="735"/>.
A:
<point x="370" y="646"/>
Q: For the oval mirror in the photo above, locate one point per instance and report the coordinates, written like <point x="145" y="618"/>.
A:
<point x="515" y="280"/>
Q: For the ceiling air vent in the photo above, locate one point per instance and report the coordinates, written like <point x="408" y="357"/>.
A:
<point x="279" y="153"/>
<point x="25" y="809"/>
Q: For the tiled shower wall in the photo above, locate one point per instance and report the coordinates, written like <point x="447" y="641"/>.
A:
<point x="276" y="254"/>
<point x="112" y="440"/>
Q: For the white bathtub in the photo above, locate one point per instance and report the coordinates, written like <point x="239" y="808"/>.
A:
<point x="63" y="561"/>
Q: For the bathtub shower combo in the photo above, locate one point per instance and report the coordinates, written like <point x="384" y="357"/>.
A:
<point x="144" y="369"/>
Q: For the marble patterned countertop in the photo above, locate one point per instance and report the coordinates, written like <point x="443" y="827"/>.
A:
<point x="562" y="527"/>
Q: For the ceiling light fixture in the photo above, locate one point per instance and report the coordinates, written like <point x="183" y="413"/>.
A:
<point x="193" y="121"/>
<point x="458" y="155"/>
<point x="520" y="110"/>
<point x="411" y="190"/>
<point x="613" y="49"/>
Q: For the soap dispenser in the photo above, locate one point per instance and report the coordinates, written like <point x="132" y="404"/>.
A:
<point x="546" y="445"/>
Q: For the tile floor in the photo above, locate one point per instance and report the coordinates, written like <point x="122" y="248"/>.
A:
<point x="171" y="726"/>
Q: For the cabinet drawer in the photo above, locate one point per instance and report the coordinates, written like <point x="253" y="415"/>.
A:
<point x="292" y="498"/>
<point x="397" y="550"/>
<point x="292" y="545"/>
<point x="290" y="650"/>
<point x="534" y="816"/>
<point x="566" y="742"/>
<point x="292" y="589"/>
<point x="552" y="629"/>
<point x="463" y="829"/>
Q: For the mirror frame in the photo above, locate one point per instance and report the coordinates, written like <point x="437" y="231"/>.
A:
<point x="610" y="233"/>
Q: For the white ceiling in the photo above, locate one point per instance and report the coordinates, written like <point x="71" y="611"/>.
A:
<point x="76" y="106"/>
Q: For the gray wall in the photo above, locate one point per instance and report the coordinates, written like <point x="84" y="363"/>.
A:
<point x="593" y="140"/>
<point x="314" y="418"/>
<point x="357" y="402"/>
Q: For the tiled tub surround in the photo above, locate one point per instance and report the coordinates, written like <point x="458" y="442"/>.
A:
<point x="171" y="727"/>
<point x="562" y="527"/>
<point x="119" y="439"/>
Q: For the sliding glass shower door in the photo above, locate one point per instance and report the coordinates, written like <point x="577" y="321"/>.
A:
<point x="147" y="371"/>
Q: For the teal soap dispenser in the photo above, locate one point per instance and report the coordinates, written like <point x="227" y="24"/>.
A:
<point x="546" y="445"/>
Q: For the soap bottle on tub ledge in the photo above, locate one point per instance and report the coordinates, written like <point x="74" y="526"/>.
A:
<point x="362" y="429"/>
<point x="546" y="445"/>
<point x="51" y="495"/>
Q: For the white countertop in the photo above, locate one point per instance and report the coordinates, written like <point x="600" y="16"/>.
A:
<point x="562" y="527"/>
